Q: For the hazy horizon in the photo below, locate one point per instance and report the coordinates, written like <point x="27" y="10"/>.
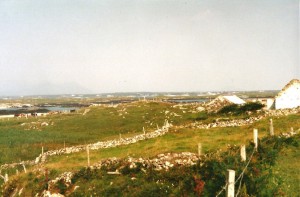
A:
<point x="140" y="93"/>
<point x="91" y="47"/>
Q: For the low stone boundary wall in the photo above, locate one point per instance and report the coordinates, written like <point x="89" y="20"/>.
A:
<point x="95" y="146"/>
<point x="242" y="122"/>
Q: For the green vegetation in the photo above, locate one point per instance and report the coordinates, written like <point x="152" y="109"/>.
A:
<point x="261" y="177"/>
<point x="272" y="171"/>
<point x="25" y="142"/>
<point x="241" y="109"/>
<point x="183" y="140"/>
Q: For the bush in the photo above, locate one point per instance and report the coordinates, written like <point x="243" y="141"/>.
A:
<point x="251" y="107"/>
<point x="229" y="109"/>
<point x="241" y="109"/>
<point x="61" y="185"/>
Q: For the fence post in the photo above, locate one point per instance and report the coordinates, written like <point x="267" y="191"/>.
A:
<point x="6" y="178"/>
<point x="243" y="153"/>
<point x="120" y="136"/>
<point x="42" y="150"/>
<point x="144" y="131"/>
<point x="88" y="155"/>
<point x="199" y="149"/>
<point x="271" y="128"/>
<point x="167" y="125"/>
<point x="24" y="167"/>
<point x="255" y="136"/>
<point x="230" y="183"/>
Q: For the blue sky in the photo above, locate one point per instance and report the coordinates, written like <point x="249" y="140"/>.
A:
<point x="76" y="46"/>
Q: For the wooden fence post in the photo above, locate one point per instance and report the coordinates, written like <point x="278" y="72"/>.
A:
<point x="6" y="178"/>
<point x="230" y="183"/>
<point x="167" y="125"/>
<point x="88" y="155"/>
<point x="144" y="131"/>
<point x="24" y="167"/>
<point x="243" y="153"/>
<point x="199" y="149"/>
<point x="255" y="136"/>
<point x="271" y="128"/>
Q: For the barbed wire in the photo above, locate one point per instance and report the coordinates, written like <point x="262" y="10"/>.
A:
<point x="237" y="193"/>
<point x="240" y="176"/>
<point x="243" y="171"/>
<point x="223" y="188"/>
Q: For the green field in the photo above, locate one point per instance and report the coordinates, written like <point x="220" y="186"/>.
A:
<point x="19" y="142"/>
<point x="184" y="140"/>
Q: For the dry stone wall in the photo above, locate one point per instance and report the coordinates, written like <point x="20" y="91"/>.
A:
<point x="242" y="122"/>
<point x="99" y="145"/>
<point x="159" y="132"/>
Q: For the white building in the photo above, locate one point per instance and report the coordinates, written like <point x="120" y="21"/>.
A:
<point x="228" y="100"/>
<point x="234" y="99"/>
<point x="289" y="96"/>
<point x="222" y="101"/>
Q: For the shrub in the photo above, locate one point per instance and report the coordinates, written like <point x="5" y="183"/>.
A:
<point x="240" y="109"/>
<point x="253" y="106"/>
<point x="61" y="186"/>
<point x="229" y="109"/>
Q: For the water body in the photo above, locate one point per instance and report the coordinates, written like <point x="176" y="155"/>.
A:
<point x="50" y="108"/>
<point x="187" y="100"/>
<point x="19" y="110"/>
<point x="59" y="108"/>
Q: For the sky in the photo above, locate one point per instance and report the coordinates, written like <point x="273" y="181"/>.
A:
<point x="92" y="46"/>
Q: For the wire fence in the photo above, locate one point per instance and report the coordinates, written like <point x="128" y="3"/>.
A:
<point x="240" y="177"/>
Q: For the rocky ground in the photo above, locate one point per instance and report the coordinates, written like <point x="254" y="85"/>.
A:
<point x="161" y="162"/>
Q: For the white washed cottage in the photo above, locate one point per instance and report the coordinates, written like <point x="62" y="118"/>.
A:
<point x="222" y="101"/>
<point x="289" y="96"/>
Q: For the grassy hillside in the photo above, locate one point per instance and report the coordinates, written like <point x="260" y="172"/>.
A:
<point x="183" y="140"/>
<point x="19" y="142"/>
<point x="22" y="142"/>
<point x="23" y="139"/>
<point x="270" y="172"/>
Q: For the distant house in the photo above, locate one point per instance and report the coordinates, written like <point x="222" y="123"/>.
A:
<point x="222" y="101"/>
<point x="289" y="96"/>
<point x="234" y="99"/>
